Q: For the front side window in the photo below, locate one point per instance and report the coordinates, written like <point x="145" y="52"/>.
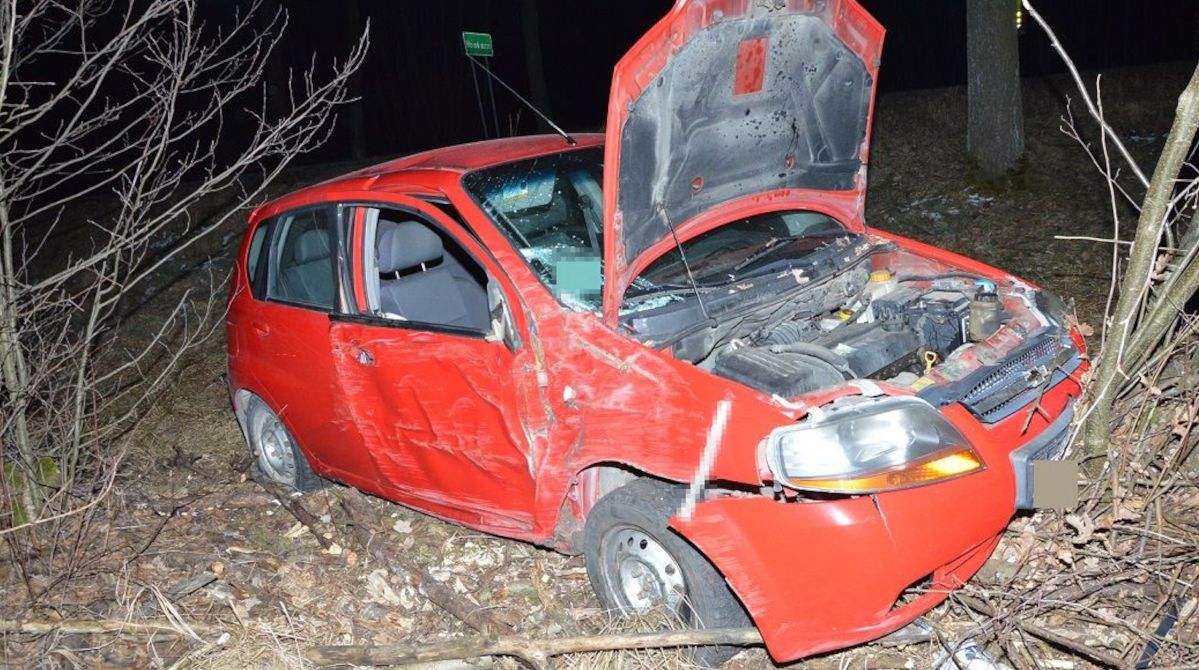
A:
<point x="418" y="273"/>
<point x="304" y="268"/>
<point x="552" y="208"/>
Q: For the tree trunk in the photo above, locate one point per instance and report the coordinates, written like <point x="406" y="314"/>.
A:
<point x="15" y="377"/>
<point x="531" y="27"/>
<point x="995" y="133"/>
<point x="1129" y="339"/>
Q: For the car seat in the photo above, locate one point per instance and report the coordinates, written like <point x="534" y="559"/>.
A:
<point x="427" y="284"/>
<point x="310" y="277"/>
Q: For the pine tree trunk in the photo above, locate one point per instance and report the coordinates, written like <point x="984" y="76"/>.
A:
<point x="995" y="132"/>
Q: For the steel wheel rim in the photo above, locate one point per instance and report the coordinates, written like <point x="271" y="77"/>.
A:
<point x="641" y="574"/>
<point x="275" y="453"/>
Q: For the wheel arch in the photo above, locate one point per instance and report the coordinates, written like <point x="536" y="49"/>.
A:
<point x="588" y="484"/>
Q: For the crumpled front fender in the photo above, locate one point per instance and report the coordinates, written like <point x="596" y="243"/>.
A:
<point x="823" y="575"/>
<point x="825" y="579"/>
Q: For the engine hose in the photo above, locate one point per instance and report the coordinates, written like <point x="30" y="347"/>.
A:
<point x="819" y="353"/>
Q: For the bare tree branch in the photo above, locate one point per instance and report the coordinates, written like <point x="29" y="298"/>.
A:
<point x="107" y="178"/>
<point x="1082" y="89"/>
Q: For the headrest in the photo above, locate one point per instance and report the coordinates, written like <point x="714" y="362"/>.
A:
<point x="312" y="245"/>
<point x="406" y="245"/>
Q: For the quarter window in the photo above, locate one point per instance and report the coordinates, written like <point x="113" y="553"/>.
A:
<point x="256" y="260"/>
<point x="304" y="271"/>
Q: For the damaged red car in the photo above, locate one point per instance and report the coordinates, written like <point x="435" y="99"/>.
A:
<point x="676" y="347"/>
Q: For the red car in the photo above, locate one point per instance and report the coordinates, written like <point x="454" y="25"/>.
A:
<point x="675" y="348"/>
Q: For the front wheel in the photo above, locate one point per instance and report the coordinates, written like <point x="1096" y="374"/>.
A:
<point x="637" y="564"/>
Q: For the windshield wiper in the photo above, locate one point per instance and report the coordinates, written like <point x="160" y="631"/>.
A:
<point x="779" y="241"/>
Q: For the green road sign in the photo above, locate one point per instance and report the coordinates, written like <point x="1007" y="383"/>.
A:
<point x="478" y="44"/>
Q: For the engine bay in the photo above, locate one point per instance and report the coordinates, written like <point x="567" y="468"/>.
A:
<point x="880" y="312"/>
<point x="888" y="330"/>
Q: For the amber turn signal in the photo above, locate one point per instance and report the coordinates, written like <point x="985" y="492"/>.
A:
<point x="945" y="466"/>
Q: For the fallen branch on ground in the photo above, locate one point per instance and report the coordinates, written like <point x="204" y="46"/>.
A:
<point x="87" y="626"/>
<point x="298" y="511"/>
<point x="532" y="651"/>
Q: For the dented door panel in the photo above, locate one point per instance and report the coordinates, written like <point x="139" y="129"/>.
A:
<point x="438" y="415"/>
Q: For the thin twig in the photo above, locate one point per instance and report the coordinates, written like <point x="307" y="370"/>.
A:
<point x="532" y="651"/>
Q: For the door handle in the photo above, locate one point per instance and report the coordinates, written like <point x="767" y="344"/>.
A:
<point x="260" y="328"/>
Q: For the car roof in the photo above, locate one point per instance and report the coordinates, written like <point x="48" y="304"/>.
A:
<point x="466" y="157"/>
<point x="458" y="158"/>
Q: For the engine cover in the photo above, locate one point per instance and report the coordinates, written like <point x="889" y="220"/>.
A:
<point x="784" y="374"/>
<point x="872" y="350"/>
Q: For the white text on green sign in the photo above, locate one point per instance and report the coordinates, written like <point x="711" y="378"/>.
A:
<point x="478" y="44"/>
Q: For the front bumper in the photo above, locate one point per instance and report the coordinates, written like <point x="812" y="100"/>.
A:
<point x="825" y="575"/>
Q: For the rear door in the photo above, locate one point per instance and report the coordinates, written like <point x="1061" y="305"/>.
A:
<point x="286" y="331"/>
<point x="440" y="401"/>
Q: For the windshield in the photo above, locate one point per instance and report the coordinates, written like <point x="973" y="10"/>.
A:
<point x="740" y="249"/>
<point x="552" y="208"/>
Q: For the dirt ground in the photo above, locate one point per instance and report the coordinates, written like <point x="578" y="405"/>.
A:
<point x="184" y="512"/>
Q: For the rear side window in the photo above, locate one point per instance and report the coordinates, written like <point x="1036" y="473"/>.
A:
<point x="304" y="269"/>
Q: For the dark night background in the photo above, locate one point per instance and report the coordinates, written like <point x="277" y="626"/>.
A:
<point x="417" y="92"/>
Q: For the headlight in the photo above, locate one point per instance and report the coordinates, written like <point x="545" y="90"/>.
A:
<point x="879" y="445"/>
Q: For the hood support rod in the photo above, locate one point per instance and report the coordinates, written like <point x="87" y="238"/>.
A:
<point x="686" y="266"/>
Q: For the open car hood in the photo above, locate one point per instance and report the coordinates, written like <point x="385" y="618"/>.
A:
<point x="730" y="100"/>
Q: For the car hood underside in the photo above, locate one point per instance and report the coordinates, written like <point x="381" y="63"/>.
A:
<point x="726" y="99"/>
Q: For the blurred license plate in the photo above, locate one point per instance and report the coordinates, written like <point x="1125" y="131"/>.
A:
<point x="1045" y="448"/>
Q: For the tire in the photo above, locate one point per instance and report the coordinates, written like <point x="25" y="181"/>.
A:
<point x="635" y="563"/>
<point x="277" y="458"/>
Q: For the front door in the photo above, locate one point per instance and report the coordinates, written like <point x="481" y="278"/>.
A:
<point x="434" y="393"/>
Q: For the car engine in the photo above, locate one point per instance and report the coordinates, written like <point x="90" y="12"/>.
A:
<point x="887" y="330"/>
<point x="868" y="310"/>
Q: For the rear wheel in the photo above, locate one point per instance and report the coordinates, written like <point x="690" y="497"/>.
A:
<point x="637" y="564"/>
<point x="277" y="458"/>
